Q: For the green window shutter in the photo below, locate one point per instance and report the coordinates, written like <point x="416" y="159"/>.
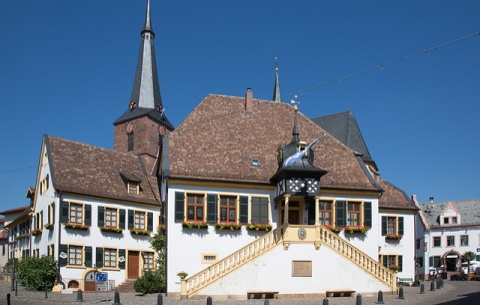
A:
<point x="150" y="221"/>
<point x="341" y="213"/>
<point x="121" y="252"/>
<point x="255" y="210"/>
<point x="211" y="208"/>
<point x="53" y="213"/>
<point x="121" y="222"/>
<point x="179" y="206"/>
<point x="384" y="225"/>
<point x="243" y="209"/>
<point x="385" y="260"/>
<point x="367" y="214"/>
<point x="130" y="219"/>
<point x="99" y="258"/>
<point x="62" y="262"/>
<point x="264" y="210"/>
<point x="430" y="261"/>
<point x="63" y="211"/>
<point x="88" y="256"/>
<point x="88" y="215"/>
<point x="101" y="216"/>
<point x="400" y="263"/>
<point x="400" y="225"/>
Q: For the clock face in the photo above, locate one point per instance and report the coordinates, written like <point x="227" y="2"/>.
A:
<point x="129" y="128"/>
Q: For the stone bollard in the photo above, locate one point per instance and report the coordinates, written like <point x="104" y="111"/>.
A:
<point x="400" y="294"/>
<point x="79" y="295"/>
<point x="160" y="299"/>
<point x="422" y="289"/>
<point x="438" y="283"/>
<point x="325" y="301"/>
<point x="46" y="291"/>
<point x="380" y="297"/>
<point x="209" y="301"/>
<point x="116" y="298"/>
<point x="8" y="298"/>
<point x="442" y="282"/>
<point x="432" y="286"/>
<point x="16" y="288"/>
<point x="267" y="302"/>
<point x="359" y="300"/>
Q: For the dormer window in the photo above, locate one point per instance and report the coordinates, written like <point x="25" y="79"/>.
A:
<point x="255" y="162"/>
<point x="133" y="187"/>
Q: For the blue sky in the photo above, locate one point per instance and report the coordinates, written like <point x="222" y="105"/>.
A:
<point x="67" y="70"/>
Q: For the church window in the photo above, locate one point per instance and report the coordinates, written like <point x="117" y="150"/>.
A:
<point x="195" y="207"/>
<point x="130" y="142"/>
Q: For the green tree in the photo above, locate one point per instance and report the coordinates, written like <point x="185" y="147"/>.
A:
<point x="469" y="256"/>
<point x="154" y="282"/>
<point x="37" y="272"/>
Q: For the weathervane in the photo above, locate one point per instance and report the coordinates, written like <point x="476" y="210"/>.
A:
<point x="295" y="103"/>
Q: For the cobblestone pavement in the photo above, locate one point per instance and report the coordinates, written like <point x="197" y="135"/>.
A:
<point x="453" y="293"/>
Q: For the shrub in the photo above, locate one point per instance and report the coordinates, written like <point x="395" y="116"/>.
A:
<point x="36" y="272"/>
<point x="150" y="282"/>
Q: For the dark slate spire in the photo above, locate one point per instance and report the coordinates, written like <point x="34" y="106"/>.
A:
<point x="276" y="88"/>
<point x="146" y="98"/>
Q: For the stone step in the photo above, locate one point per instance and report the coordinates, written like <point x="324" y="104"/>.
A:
<point x="126" y="286"/>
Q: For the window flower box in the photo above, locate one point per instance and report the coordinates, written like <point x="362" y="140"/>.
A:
<point x="139" y="232"/>
<point x="259" y="226"/>
<point x="77" y="226"/>
<point x="228" y="225"/>
<point x="334" y="229"/>
<point x="357" y="229"/>
<point x="195" y="224"/>
<point x="111" y="229"/>
<point x="394" y="268"/>
<point x="36" y="232"/>
<point x="21" y="236"/>
<point x="48" y="226"/>
<point x="394" y="236"/>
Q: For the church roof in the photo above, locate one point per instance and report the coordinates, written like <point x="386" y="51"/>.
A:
<point x="146" y="98"/>
<point x="90" y="170"/>
<point x="344" y="127"/>
<point x="218" y="140"/>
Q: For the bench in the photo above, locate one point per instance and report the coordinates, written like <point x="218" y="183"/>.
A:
<point x="262" y="294"/>
<point x="339" y="293"/>
<point x="405" y="281"/>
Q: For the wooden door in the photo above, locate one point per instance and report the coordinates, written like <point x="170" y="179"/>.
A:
<point x="90" y="281"/>
<point x="293" y="216"/>
<point x="133" y="264"/>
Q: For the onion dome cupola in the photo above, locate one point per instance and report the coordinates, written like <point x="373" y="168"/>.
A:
<point x="296" y="174"/>
<point x="146" y="99"/>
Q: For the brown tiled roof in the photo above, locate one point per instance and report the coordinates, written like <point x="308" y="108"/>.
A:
<point x="218" y="139"/>
<point x="89" y="170"/>
<point x="15" y="210"/>
<point x="393" y="197"/>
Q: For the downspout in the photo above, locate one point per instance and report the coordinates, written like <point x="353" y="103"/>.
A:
<point x="57" y="250"/>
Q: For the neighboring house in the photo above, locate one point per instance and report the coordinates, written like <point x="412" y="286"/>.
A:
<point x="446" y="231"/>
<point x="17" y="224"/>
<point x="3" y="244"/>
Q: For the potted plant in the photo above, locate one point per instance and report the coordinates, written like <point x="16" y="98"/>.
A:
<point x="48" y="226"/>
<point x="195" y="224"/>
<point x="333" y="228"/>
<point x="357" y="229"/>
<point x="182" y="275"/>
<point x="394" y="268"/>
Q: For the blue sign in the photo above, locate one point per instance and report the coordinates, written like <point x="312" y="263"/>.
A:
<point x="102" y="277"/>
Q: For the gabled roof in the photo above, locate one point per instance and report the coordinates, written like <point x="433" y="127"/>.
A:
<point x="344" y="127"/>
<point x="469" y="212"/>
<point x="218" y="139"/>
<point x="89" y="170"/>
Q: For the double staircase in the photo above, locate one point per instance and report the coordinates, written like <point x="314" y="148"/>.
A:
<point x="286" y="235"/>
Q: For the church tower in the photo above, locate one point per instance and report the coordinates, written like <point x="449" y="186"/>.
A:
<point x="140" y="129"/>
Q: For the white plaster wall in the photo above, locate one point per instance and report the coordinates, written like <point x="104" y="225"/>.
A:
<point x="404" y="247"/>
<point x="273" y="272"/>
